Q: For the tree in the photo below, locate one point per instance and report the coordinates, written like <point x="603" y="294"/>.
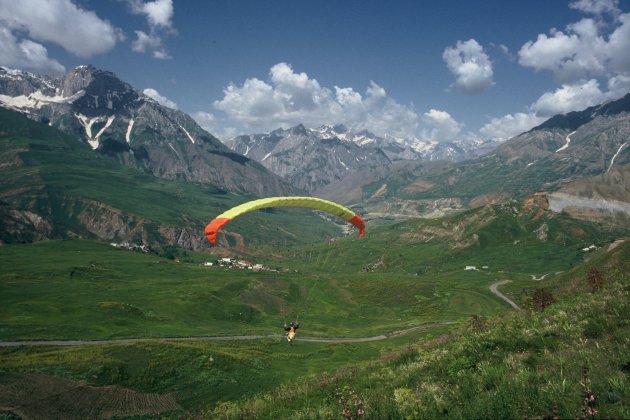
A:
<point x="595" y="279"/>
<point x="542" y="298"/>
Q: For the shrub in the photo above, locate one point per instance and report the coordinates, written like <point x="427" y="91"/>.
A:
<point x="542" y="298"/>
<point x="595" y="279"/>
<point x="595" y="328"/>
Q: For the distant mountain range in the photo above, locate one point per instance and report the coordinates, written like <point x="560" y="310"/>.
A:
<point x="117" y="120"/>
<point x="383" y="176"/>
<point x="563" y="149"/>
<point x="311" y="158"/>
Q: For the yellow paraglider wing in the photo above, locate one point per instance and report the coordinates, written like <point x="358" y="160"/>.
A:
<point x="305" y="202"/>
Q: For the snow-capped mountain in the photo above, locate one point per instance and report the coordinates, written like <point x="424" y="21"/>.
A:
<point x="306" y="159"/>
<point x="397" y="148"/>
<point x="311" y="158"/>
<point x="119" y="121"/>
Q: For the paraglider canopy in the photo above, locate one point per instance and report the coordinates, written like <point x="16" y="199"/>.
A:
<point x="305" y="202"/>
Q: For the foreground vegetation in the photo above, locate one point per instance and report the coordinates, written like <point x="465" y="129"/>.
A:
<point x="570" y="360"/>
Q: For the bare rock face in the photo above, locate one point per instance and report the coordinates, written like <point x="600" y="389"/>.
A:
<point x="541" y="232"/>
<point x="79" y="78"/>
<point x="604" y="197"/>
<point x="23" y="226"/>
<point x="306" y="158"/>
<point x="583" y="143"/>
<point x="14" y="83"/>
<point x="96" y="221"/>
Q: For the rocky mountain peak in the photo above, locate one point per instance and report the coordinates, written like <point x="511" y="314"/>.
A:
<point x="105" y="93"/>
<point x="298" y="130"/>
<point x="77" y="79"/>
<point x="340" y="128"/>
<point x="16" y="82"/>
<point x="114" y="119"/>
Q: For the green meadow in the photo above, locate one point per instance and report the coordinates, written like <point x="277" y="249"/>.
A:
<point x="89" y="290"/>
<point x="397" y="277"/>
<point x="569" y="360"/>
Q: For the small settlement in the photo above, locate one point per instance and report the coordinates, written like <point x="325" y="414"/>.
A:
<point x="240" y="264"/>
<point x="131" y="247"/>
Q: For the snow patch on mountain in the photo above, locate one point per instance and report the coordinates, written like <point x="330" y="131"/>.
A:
<point x="566" y="145"/>
<point x="187" y="133"/>
<point x="612" y="161"/>
<point x="128" y="133"/>
<point x="37" y="100"/>
<point x="87" y="123"/>
<point x="110" y="119"/>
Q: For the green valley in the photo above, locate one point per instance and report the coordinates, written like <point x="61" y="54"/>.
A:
<point x="510" y="300"/>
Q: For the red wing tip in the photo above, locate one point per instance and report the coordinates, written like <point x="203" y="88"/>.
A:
<point x="359" y="223"/>
<point x="213" y="228"/>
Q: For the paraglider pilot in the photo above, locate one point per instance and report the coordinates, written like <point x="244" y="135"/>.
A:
<point x="290" y="329"/>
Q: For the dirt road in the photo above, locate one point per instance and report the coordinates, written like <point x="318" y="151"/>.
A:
<point x="222" y="338"/>
<point x="494" y="289"/>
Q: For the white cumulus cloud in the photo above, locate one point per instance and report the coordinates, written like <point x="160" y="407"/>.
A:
<point x="144" y="42"/>
<point x="162" y="100"/>
<point x="567" y="98"/>
<point x="289" y="98"/>
<point x="510" y="125"/>
<point x="26" y="55"/>
<point x="212" y="125"/>
<point x="79" y="31"/>
<point x="585" y="49"/>
<point x="572" y="55"/>
<point x="618" y="86"/>
<point x="440" y="125"/>
<point x="585" y="58"/>
<point x="596" y="7"/>
<point x="470" y="65"/>
<point x="159" y="15"/>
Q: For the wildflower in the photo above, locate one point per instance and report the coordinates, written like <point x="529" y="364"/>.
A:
<point x="360" y="412"/>
<point x="591" y="411"/>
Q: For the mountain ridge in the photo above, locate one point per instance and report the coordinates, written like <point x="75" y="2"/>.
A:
<point x="543" y="159"/>
<point x="115" y="119"/>
<point x="312" y="158"/>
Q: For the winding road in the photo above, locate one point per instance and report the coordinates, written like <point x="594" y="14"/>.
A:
<point x="222" y="338"/>
<point x="494" y="289"/>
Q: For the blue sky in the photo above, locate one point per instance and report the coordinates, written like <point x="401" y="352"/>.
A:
<point x="434" y="70"/>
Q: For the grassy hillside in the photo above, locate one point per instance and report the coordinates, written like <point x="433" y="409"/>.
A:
<point x="398" y="276"/>
<point x="516" y="238"/>
<point x="527" y="363"/>
<point x="568" y="361"/>
<point x="116" y="294"/>
<point x="77" y="192"/>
